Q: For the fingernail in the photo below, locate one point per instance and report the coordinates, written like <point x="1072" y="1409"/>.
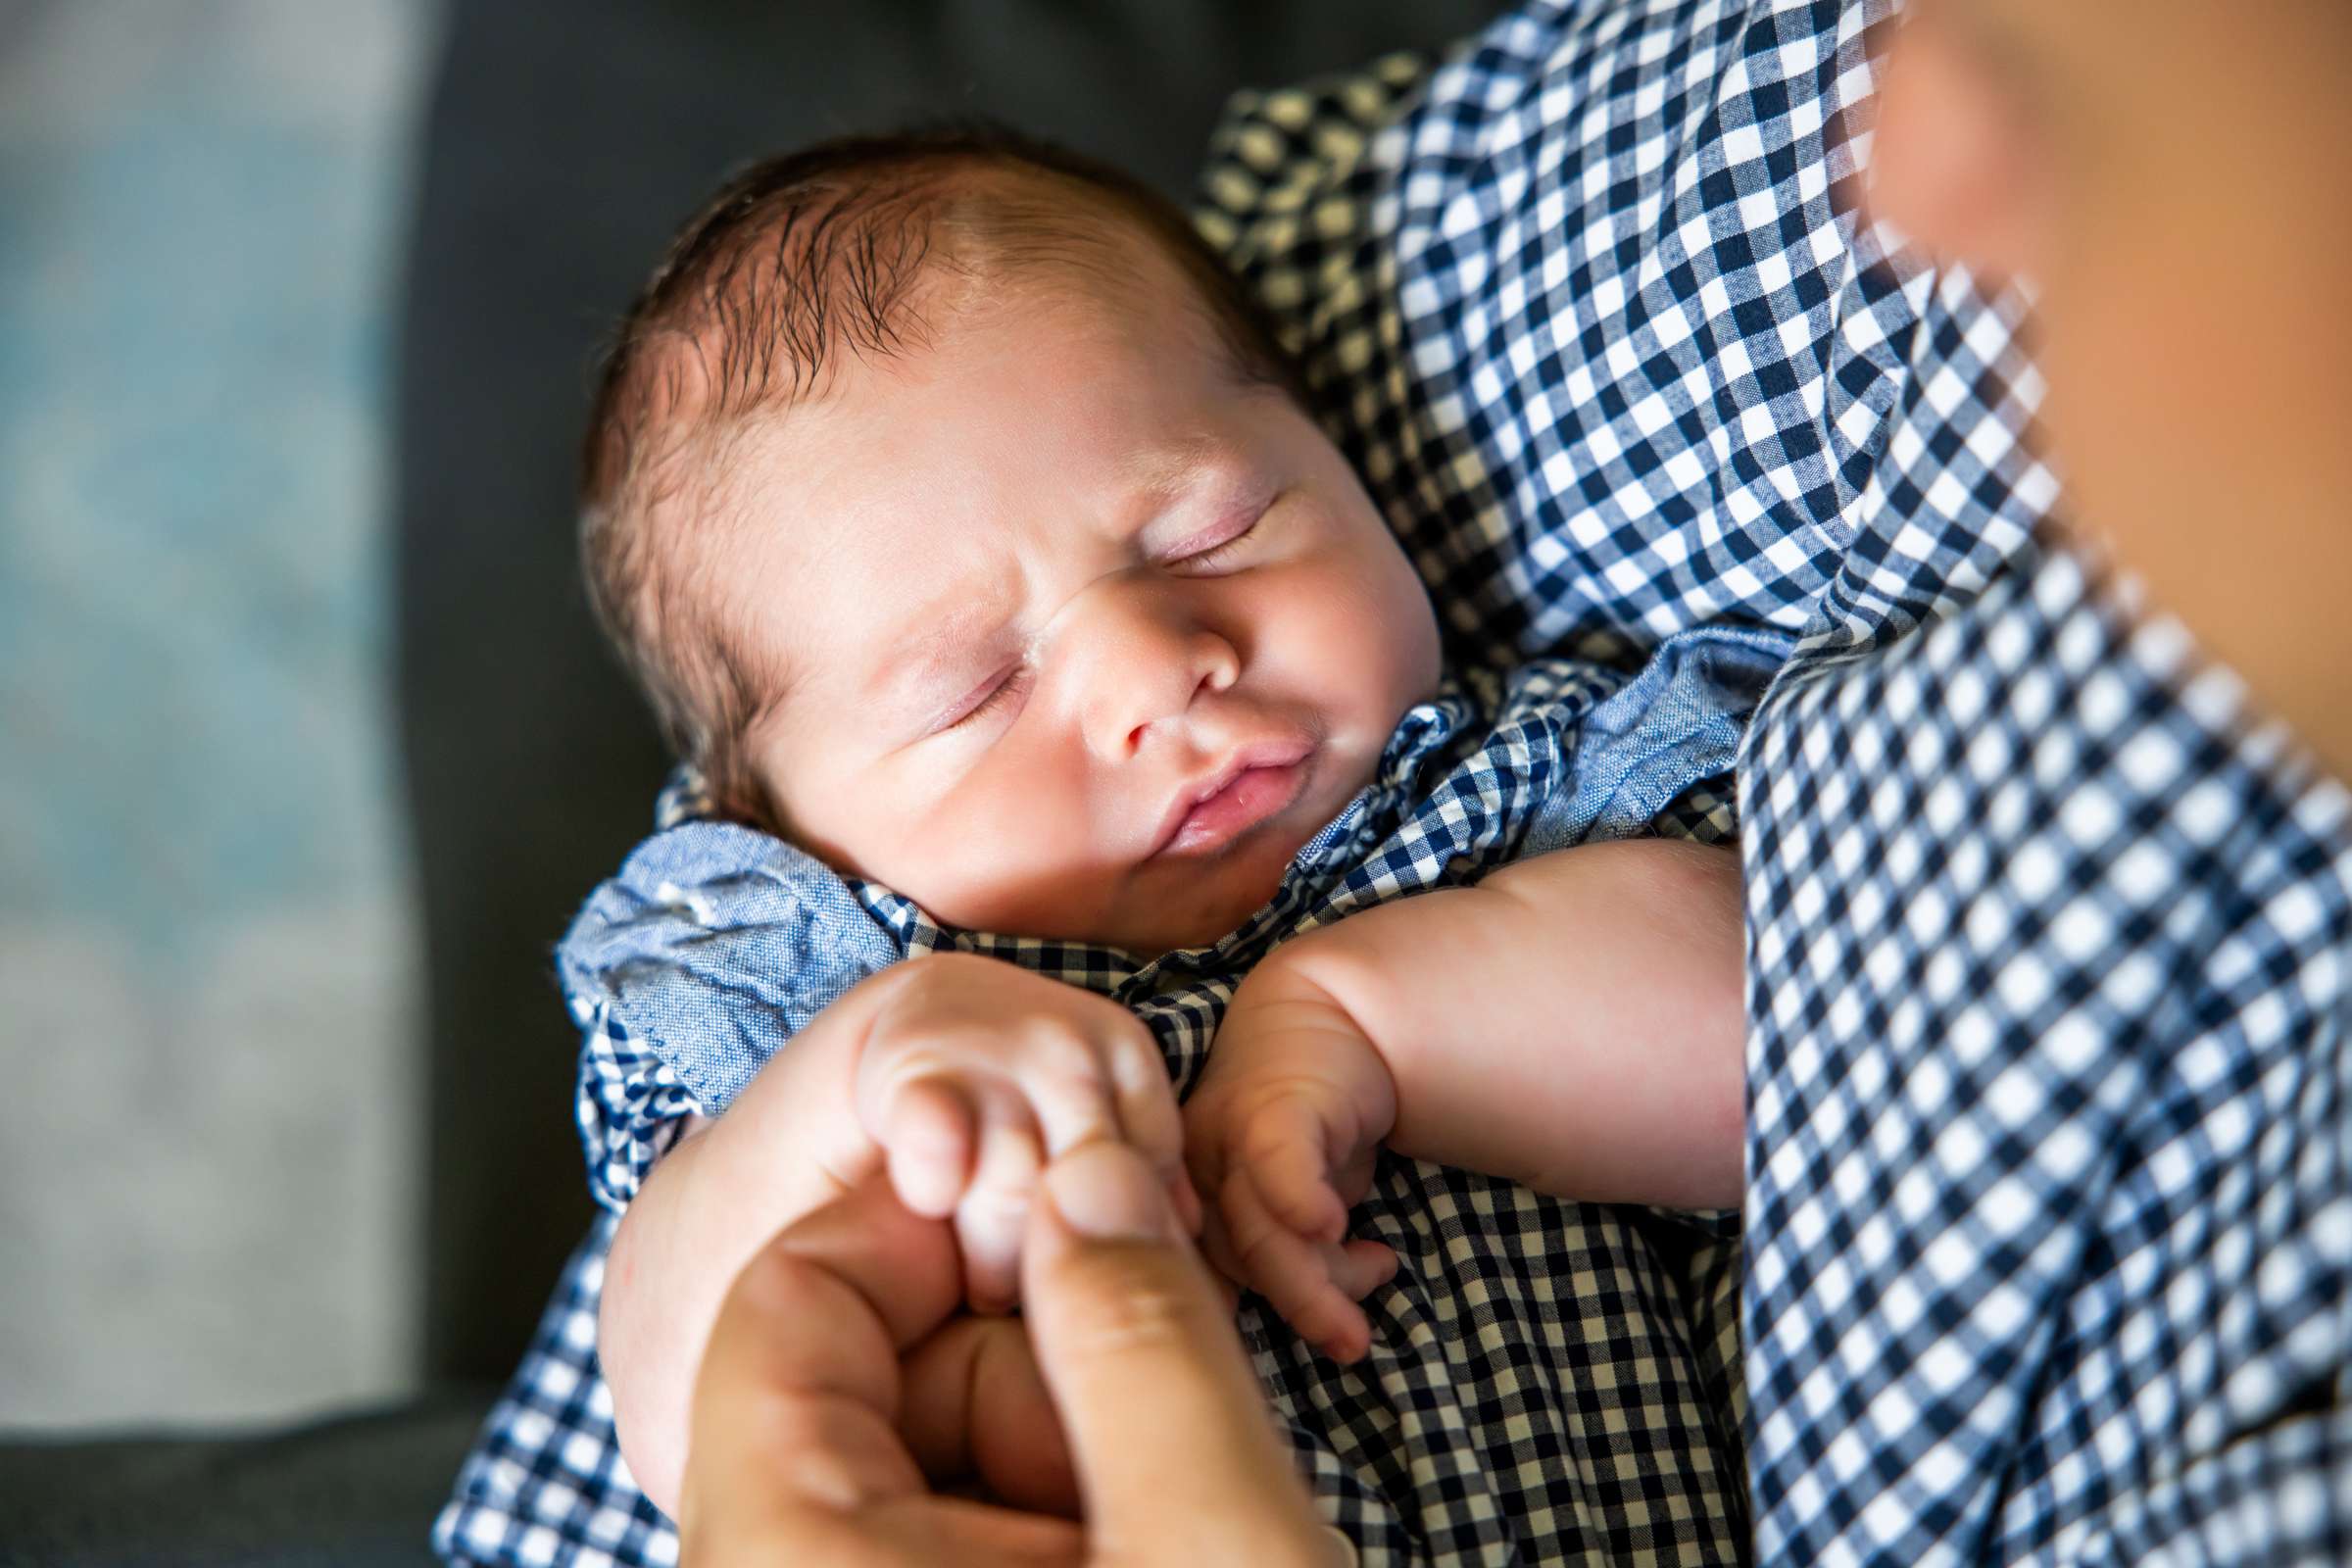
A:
<point x="1105" y="1190"/>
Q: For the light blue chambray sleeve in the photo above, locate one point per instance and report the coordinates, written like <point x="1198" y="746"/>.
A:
<point x="688" y="971"/>
<point x="1676" y="724"/>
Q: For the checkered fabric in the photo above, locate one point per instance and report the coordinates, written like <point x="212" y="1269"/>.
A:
<point x="2051" y="1202"/>
<point x="2049" y="1182"/>
<point x="1548" y="1379"/>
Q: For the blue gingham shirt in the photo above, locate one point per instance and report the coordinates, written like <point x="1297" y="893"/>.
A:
<point x="2049" y="1208"/>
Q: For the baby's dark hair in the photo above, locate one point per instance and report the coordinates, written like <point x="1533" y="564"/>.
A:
<point x="795" y="263"/>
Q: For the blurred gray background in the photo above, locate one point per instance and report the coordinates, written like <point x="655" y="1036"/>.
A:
<point x="209" y="951"/>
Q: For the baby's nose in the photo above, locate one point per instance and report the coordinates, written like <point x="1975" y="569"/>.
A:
<point x="1146" y="665"/>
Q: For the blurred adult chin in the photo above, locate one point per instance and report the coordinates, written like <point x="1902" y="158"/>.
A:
<point x="2175" y="179"/>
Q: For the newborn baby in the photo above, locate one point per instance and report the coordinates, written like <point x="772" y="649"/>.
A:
<point x="969" y="532"/>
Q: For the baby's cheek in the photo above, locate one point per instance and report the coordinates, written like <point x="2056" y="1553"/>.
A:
<point x="1005" y="857"/>
<point x="1372" y="640"/>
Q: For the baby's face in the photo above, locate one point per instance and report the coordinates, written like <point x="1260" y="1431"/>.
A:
<point x="1081" y="637"/>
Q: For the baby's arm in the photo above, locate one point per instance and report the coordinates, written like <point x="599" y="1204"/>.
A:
<point x="1574" y="1023"/>
<point x="783" y="1150"/>
<point x="962" y="1075"/>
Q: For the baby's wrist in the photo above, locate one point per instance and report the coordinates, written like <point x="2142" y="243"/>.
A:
<point x="1301" y="1001"/>
<point x="1317" y="970"/>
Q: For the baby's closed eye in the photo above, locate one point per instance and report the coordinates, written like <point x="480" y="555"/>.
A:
<point x="1003" y="690"/>
<point x="1221" y="546"/>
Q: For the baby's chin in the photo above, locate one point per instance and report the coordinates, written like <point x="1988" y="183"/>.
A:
<point x="1151" y="909"/>
<point x="1197" y="904"/>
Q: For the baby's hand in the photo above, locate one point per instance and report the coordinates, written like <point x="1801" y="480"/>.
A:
<point x="974" y="1073"/>
<point x="1281" y="1136"/>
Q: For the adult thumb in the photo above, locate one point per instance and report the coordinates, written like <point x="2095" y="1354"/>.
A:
<point x="1177" y="1457"/>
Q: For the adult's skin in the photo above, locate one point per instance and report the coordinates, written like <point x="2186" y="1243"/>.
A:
<point x="2177" y="179"/>
<point x="804" y="1440"/>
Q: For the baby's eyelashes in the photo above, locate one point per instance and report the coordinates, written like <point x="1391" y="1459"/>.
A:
<point x="1222" y="525"/>
<point x="1001" y="691"/>
<point x="1218" y="547"/>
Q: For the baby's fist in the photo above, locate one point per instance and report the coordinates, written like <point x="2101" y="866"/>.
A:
<point x="1281" y="1135"/>
<point x="1281" y="1162"/>
<point x="975" y="1073"/>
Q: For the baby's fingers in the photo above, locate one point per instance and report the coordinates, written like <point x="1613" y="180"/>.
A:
<point x="1288" y="1157"/>
<point x="1294" y="1273"/>
<point x="1071" y="1095"/>
<point x="1359" y="1268"/>
<point x="927" y="1131"/>
<point x="995" y="1209"/>
<point x="1118" y="1089"/>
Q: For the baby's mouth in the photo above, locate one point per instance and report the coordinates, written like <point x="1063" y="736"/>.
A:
<point x="1252" y="787"/>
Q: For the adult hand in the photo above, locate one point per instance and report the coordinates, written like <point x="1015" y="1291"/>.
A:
<point x="840" y="1371"/>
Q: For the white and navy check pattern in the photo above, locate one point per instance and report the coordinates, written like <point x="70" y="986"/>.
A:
<point x="2050" y="1199"/>
<point x="2049" y="1196"/>
<point x="1548" y="1379"/>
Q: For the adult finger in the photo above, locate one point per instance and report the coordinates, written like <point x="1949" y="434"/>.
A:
<point x="975" y="1408"/>
<point x="794" y="1454"/>
<point x="1177" y="1456"/>
<point x="783" y="1411"/>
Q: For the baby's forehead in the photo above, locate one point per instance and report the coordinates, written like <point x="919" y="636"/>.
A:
<point x="1092" y="389"/>
<point x="956" y="509"/>
<point x="932" y="530"/>
<point x="1068" y="271"/>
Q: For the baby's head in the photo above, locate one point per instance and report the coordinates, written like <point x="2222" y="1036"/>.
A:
<point x="963" y="525"/>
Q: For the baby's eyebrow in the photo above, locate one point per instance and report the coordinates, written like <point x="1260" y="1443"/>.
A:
<point x="1161" y="474"/>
